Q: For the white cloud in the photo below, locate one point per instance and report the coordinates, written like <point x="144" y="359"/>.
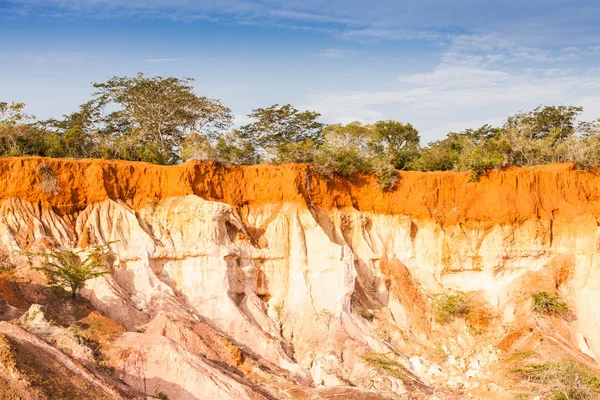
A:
<point x="162" y="60"/>
<point x="493" y="49"/>
<point x="370" y="34"/>
<point x="337" y="53"/>
<point x="454" y="97"/>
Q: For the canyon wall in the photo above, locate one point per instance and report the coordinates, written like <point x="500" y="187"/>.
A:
<point x="308" y="279"/>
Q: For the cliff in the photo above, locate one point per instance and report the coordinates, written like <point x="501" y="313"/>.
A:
<point x="270" y="282"/>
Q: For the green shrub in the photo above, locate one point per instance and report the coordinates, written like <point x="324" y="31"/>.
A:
<point x="477" y="314"/>
<point x="447" y="307"/>
<point x="385" y="364"/>
<point x="162" y="396"/>
<point x="70" y="270"/>
<point x="544" y="303"/>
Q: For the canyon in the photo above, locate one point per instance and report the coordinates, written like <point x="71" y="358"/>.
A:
<point x="270" y="282"/>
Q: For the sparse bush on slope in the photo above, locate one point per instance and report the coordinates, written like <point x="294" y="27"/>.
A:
<point x="562" y="380"/>
<point x="547" y="304"/>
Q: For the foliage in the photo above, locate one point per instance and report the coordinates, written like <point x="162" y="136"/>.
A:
<point x="383" y="363"/>
<point x="280" y="131"/>
<point x="447" y="307"/>
<point x="159" y="113"/>
<point x="547" y="304"/>
<point x="392" y="368"/>
<point x="541" y="122"/>
<point x="71" y="269"/>
<point x="563" y="380"/>
<point x="399" y="141"/>
<point x="162" y="396"/>
<point x="358" y="148"/>
<point x="162" y="120"/>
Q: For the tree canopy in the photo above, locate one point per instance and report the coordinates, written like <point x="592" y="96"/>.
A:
<point x="163" y="120"/>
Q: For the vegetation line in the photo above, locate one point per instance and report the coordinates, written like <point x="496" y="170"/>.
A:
<point x="162" y="120"/>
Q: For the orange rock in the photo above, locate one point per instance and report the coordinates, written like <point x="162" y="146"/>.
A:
<point x="509" y="196"/>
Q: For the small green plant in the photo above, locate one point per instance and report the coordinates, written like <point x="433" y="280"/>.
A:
<point x="447" y="307"/>
<point x="71" y="269"/>
<point x="383" y="363"/>
<point x="547" y="304"/>
<point x="162" y="396"/>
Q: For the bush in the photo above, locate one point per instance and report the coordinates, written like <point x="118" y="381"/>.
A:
<point x="162" y="396"/>
<point x="386" y="174"/>
<point x="563" y="380"/>
<point x="447" y="307"/>
<point x="383" y="363"/>
<point x="68" y="269"/>
<point x="547" y="304"/>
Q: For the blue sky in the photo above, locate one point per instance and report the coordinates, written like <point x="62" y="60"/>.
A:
<point x="441" y="65"/>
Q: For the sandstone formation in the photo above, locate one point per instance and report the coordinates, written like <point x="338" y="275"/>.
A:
<point x="268" y="282"/>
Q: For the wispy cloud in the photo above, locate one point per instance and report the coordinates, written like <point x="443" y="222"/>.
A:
<point x="337" y="53"/>
<point x="162" y="60"/>
<point x="474" y="82"/>
<point x="496" y="49"/>
<point x="376" y="34"/>
<point x="354" y="19"/>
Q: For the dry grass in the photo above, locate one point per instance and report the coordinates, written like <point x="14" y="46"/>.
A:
<point x="394" y="369"/>
<point x="6" y="263"/>
<point x="7" y="359"/>
<point x="48" y="180"/>
<point x="520" y="355"/>
<point x="562" y="380"/>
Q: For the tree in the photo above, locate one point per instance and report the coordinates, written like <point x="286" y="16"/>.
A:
<point x="17" y="136"/>
<point x="278" y="130"/>
<point x="355" y="147"/>
<point x="541" y="122"/>
<point x="156" y="114"/>
<point x="474" y="150"/>
<point x="71" y="269"/>
<point x="77" y="135"/>
<point x="400" y="141"/>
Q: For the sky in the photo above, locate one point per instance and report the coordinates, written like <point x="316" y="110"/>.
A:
<point x="440" y="65"/>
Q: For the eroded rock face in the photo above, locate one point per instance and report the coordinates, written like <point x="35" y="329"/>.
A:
<point x="311" y="277"/>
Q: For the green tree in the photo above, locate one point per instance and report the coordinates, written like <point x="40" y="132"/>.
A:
<point x="556" y="121"/>
<point x="283" y="133"/>
<point x="355" y="147"/>
<point x="17" y="136"/>
<point x="71" y="269"/>
<point x="399" y="141"/>
<point x="156" y="114"/>
<point x="76" y="135"/>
